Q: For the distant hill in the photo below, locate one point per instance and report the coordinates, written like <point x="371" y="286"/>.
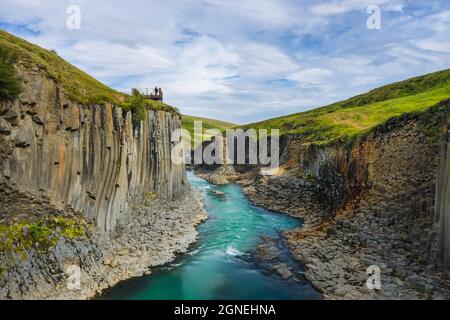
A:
<point x="188" y="124"/>
<point x="354" y="116"/>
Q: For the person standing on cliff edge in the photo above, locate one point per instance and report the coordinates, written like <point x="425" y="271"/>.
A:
<point x="160" y="93"/>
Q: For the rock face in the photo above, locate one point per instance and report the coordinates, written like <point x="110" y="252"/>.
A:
<point x="442" y="216"/>
<point x="221" y="175"/>
<point x="86" y="159"/>
<point x="60" y="158"/>
<point x="149" y="235"/>
<point x="370" y="203"/>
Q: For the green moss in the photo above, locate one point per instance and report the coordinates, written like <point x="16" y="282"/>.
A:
<point x="150" y="195"/>
<point x="21" y="237"/>
<point x="10" y="86"/>
<point x="18" y="239"/>
<point x="138" y="105"/>
<point x="70" y="228"/>
<point x="44" y="234"/>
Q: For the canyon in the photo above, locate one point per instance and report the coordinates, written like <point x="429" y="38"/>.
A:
<point x="380" y="200"/>
<point x="91" y="195"/>
<point x="84" y="186"/>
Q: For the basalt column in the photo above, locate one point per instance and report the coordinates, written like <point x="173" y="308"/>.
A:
<point x="443" y="199"/>
<point x="88" y="159"/>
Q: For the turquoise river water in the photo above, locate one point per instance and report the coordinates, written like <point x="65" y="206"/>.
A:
<point x="217" y="266"/>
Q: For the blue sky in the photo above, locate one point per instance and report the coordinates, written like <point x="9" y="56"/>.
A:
<point x="246" y="60"/>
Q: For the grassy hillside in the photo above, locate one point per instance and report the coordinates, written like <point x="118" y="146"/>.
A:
<point x="188" y="123"/>
<point x="10" y="86"/>
<point x="357" y="115"/>
<point x="80" y="86"/>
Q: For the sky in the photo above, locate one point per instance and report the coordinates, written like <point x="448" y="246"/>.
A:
<point x="241" y="61"/>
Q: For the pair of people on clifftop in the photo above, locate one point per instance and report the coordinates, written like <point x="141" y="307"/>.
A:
<point x="158" y="92"/>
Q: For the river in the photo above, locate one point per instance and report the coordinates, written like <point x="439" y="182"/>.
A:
<point x="218" y="266"/>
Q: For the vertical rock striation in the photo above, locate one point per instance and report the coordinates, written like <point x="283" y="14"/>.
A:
<point x="442" y="216"/>
<point x="371" y="202"/>
<point x="86" y="159"/>
<point x="82" y="186"/>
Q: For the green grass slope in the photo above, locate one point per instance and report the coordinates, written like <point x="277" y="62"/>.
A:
<point x="79" y="86"/>
<point x="10" y="86"/>
<point x="188" y="124"/>
<point x="352" y="117"/>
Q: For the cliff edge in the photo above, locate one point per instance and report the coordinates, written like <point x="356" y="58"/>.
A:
<point x="369" y="203"/>
<point x="86" y="191"/>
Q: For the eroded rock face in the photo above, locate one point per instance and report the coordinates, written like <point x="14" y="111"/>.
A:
<point x="5" y="127"/>
<point x="442" y="209"/>
<point x="372" y="203"/>
<point x="91" y="164"/>
<point x="86" y="159"/>
<point x="220" y="176"/>
<point x="150" y="235"/>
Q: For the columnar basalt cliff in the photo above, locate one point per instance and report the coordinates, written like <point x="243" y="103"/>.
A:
<point x="82" y="185"/>
<point x="442" y="216"/>
<point x="371" y="202"/>
<point x="86" y="159"/>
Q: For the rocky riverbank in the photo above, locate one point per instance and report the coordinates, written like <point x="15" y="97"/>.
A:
<point x="220" y="175"/>
<point x="153" y="234"/>
<point x="369" y="203"/>
<point x="272" y="255"/>
<point x="388" y="222"/>
<point x="338" y="251"/>
<point x="89" y="193"/>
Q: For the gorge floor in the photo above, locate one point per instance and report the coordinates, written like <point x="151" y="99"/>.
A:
<point x="223" y="264"/>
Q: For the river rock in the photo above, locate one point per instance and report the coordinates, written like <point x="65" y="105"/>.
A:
<point x="283" y="270"/>
<point x="220" y="176"/>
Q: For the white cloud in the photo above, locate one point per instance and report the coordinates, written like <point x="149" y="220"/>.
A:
<point x="231" y="59"/>
<point x="267" y="12"/>
<point x="433" y="45"/>
<point x="202" y="66"/>
<point x="343" y="6"/>
<point x="117" y="59"/>
<point x="409" y="55"/>
<point x="262" y="60"/>
<point x="312" y="76"/>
